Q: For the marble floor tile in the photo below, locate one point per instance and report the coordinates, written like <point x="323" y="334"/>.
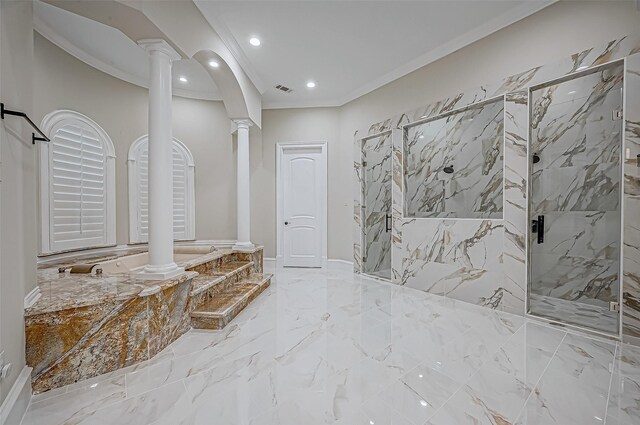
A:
<point x="420" y="393"/>
<point x="76" y="403"/>
<point x="490" y="397"/>
<point x="323" y="347"/>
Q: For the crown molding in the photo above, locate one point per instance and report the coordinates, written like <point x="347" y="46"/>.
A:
<point x="488" y="28"/>
<point x="50" y="34"/>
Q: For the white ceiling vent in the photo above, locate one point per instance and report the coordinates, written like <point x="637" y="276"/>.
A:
<point x="284" y="88"/>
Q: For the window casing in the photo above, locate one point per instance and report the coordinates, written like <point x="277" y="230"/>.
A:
<point x="77" y="184"/>
<point x="183" y="191"/>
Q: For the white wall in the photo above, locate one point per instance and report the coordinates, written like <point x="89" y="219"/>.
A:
<point x="294" y="125"/>
<point x="18" y="183"/>
<point x="63" y="82"/>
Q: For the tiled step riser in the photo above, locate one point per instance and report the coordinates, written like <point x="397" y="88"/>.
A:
<point x="216" y="322"/>
<point x="208" y="267"/>
<point x="256" y="257"/>
<point x="198" y="300"/>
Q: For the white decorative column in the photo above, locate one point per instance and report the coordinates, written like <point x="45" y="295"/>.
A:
<point x="161" y="264"/>
<point x="243" y="188"/>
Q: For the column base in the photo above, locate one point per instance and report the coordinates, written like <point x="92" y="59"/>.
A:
<point x="244" y="246"/>
<point x="160" y="272"/>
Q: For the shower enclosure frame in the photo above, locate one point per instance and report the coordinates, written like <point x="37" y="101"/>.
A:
<point x="362" y="210"/>
<point x="621" y="192"/>
<point x="426" y="120"/>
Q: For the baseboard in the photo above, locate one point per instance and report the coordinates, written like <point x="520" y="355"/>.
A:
<point x="331" y="264"/>
<point x="17" y="401"/>
<point x="32" y="297"/>
<point x="342" y="265"/>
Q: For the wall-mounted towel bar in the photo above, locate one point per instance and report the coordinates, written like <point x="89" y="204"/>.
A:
<point x="34" y="138"/>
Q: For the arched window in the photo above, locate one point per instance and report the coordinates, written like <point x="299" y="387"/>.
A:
<point x="77" y="184"/>
<point x="183" y="191"/>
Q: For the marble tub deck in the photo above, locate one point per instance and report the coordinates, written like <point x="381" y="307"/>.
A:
<point x="330" y="347"/>
<point x="86" y="325"/>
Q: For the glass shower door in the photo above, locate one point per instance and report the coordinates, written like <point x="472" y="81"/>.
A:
<point x="575" y="194"/>
<point x="377" y="206"/>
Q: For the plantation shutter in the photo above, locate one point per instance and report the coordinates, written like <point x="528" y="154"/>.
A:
<point x="180" y="193"/>
<point x="77" y="179"/>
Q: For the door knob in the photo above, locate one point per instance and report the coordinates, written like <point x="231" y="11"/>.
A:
<point x="286" y="223"/>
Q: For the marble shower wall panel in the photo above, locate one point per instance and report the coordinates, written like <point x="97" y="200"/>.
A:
<point x="515" y="196"/>
<point x="631" y="202"/>
<point x="461" y="259"/>
<point x="429" y="275"/>
<point x="470" y="142"/>
<point x="576" y="187"/>
<point x="376" y="154"/>
<point x="396" y="205"/>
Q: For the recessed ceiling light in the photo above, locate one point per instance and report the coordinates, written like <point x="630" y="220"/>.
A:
<point x="183" y="79"/>
<point x="311" y="84"/>
<point x="213" y="64"/>
<point x="254" y="41"/>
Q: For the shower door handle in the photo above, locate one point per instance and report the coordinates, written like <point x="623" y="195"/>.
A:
<point x="538" y="227"/>
<point x="387" y="220"/>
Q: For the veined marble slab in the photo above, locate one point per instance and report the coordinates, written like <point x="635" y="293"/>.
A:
<point x="592" y="159"/>
<point x="376" y="187"/>
<point x="471" y="143"/>
<point x="576" y="187"/>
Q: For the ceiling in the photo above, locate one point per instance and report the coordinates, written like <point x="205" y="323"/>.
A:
<point x="347" y="47"/>
<point x="110" y="51"/>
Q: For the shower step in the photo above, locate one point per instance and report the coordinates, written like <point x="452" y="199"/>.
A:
<point x="226" y="273"/>
<point x="224" y="306"/>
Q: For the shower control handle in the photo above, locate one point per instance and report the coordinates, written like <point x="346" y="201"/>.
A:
<point x="388" y="222"/>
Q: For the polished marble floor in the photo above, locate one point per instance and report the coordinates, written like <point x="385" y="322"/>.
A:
<point x="328" y="347"/>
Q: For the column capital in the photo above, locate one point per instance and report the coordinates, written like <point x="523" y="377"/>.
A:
<point x="243" y="123"/>
<point x="151" y="45"/>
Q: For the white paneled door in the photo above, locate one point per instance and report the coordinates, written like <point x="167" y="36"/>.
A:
<point x="303" y="205"/>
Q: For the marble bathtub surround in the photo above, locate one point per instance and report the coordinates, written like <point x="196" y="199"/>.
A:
<point x="87" y="325"/>
<point x="65" y="290"/>
<point x="453" y="164"/>
<point x="376" y="211"/>
<point x="330" y="347"/>
<point x="494" y="271"/>
<point x="576" y="187"/>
